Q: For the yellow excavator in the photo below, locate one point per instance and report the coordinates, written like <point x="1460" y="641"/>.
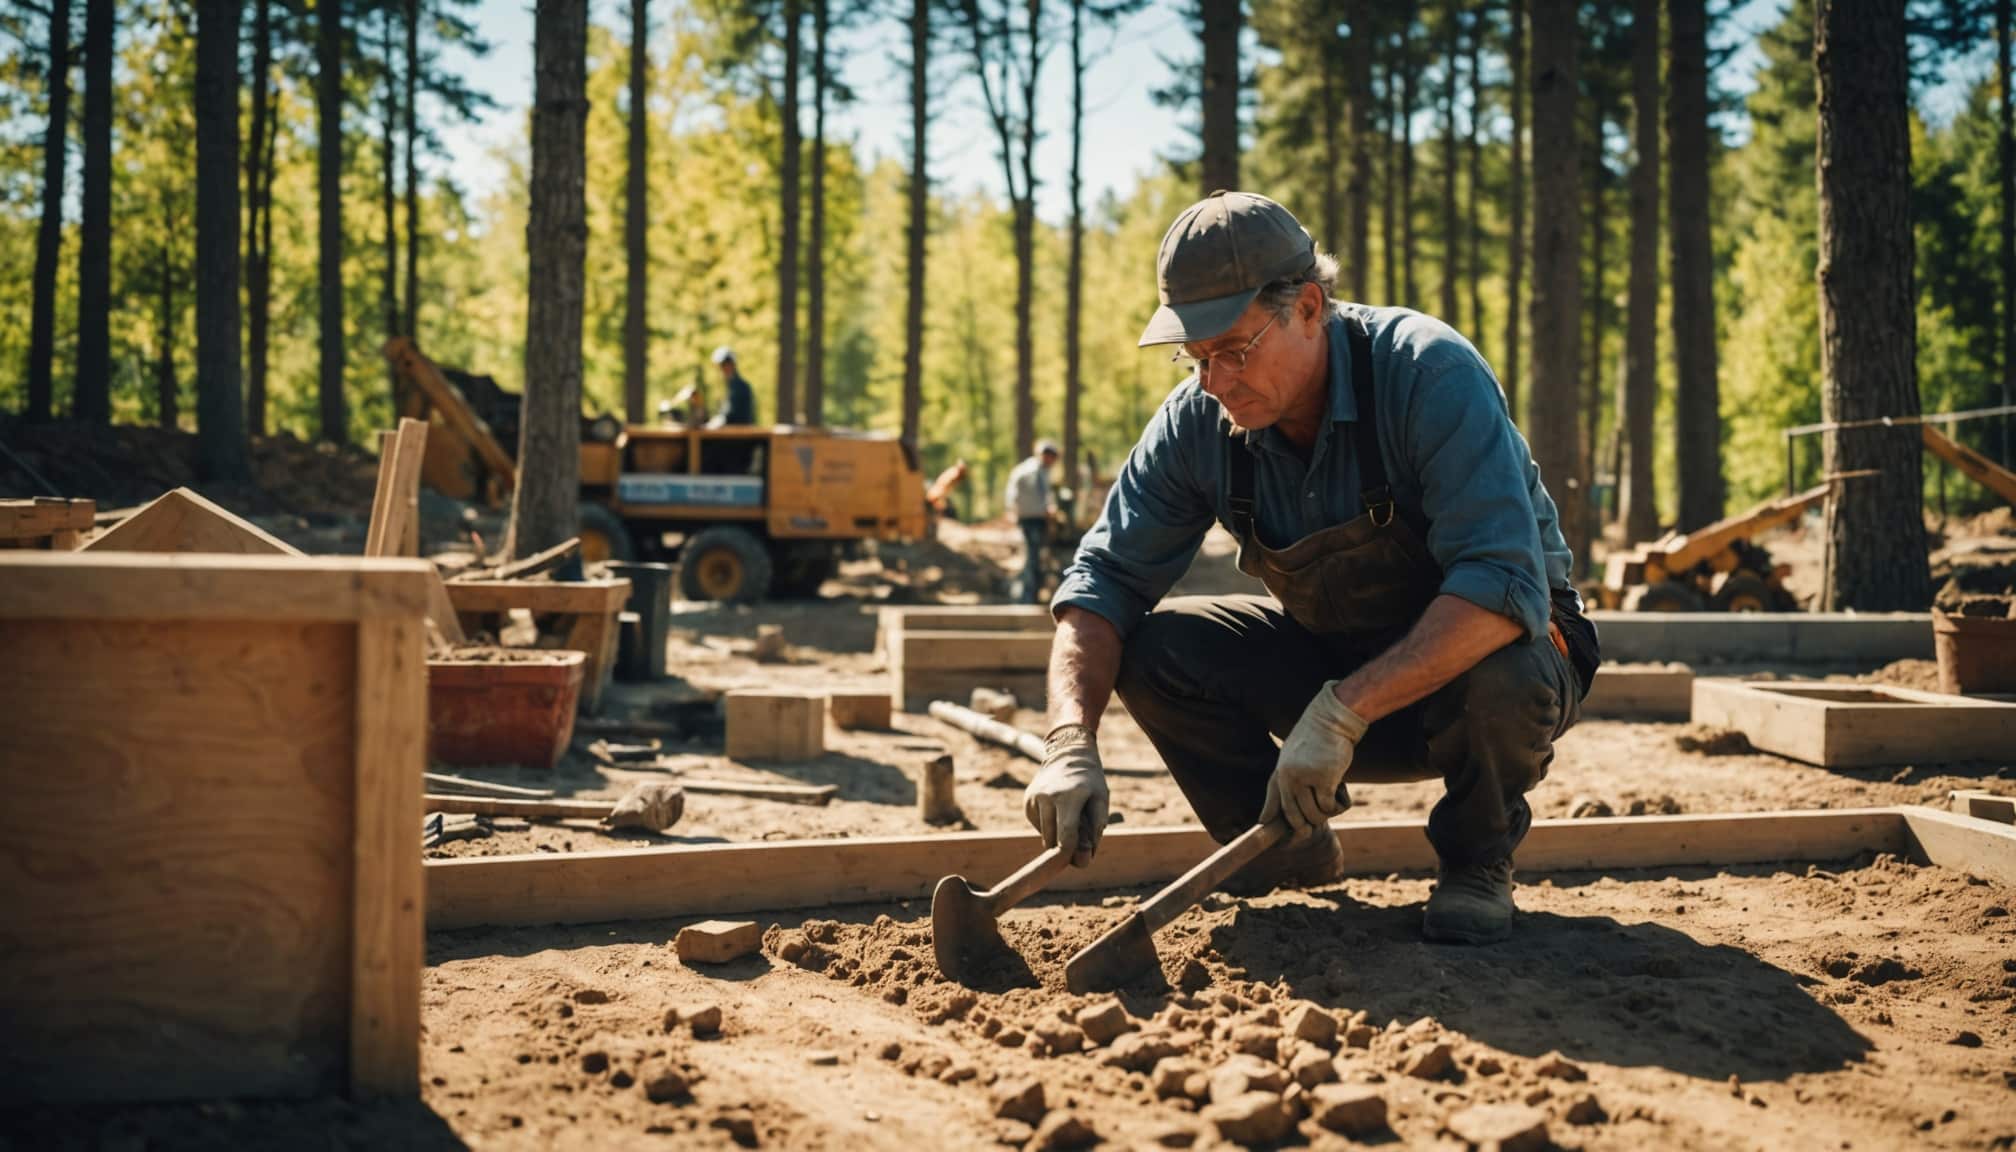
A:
<point x="748" y="512"/>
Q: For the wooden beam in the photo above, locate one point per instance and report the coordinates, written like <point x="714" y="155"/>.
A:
<point x="1984" y="805"/>
<point x="1963" y="843"/>
<point x="395" y="515"/>
<point x="817" y="795"/>
<point x="183" y="521"/>
<point x="1683" y="552"/>
<point x="1640" y="692"/>
<point x="1777" y="638"/>
<point x="388" y="929"/>
<point x="530" y="809"/>
<point x="1979" y="468"/>
<point x="443" y="780"/>
<point x="534" y="564"/>
<point x="1857" y="725"/>
<point x="539" y="596"/>
<point x="154" y="586"/>
<point x="36" y="518"/>
<point x="703" y="880"/>
<point x="974" y="650"/>
<point x="445" y="398"/>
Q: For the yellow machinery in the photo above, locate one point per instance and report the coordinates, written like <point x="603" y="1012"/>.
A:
<point x="752" y="511"/>
<point x="1715" y="569"/>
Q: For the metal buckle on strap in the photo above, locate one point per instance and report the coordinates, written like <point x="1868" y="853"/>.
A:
<point x="1379" y="506"/>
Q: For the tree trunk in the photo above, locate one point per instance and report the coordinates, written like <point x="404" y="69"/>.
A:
<point x="388" y="155"/>
<point x="920" y="189"/>
<point x="334" y="406"/>
<point x="1408" y="67"/>
<point x="49" y="230"/>
<point x="636" y="211"/>
<point x="815" y="304"/>
<point x="258" y="157"/>
<point x="1698" y="415"/>
<point x="1515" y="194"/>
<point x="167" y="389"/>
<point x="1637" y="501"/>
<point x="93" y="399"/>
<point x="544" y="506"/>
<point x="220" y="407"/>
<point x="410" y="321"/>
<point x="1473" y="229"/>
<point x="1025" y="242"/>
<point x="1358" y="188"/>
<point x="1220" y="87"/>
<point x="1876" y="558"/>
<point x="1326" y="72"/>
<point x="1452" y="234"/>
<point x="1592" y="359"/>
<point x="1389" y="247"/>
<point x="260" y="292"/>
<point x="1555" y="431"/>
<point x="787" y="197"/>
<point x="1074" y="275"/>
<point x="2005" y="151"/>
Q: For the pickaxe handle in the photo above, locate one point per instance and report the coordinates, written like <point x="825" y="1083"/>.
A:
<point x="1214" y="870"/>
<point x="1026" y="880"/>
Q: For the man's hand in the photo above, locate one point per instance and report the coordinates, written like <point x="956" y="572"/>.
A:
<point x="1313" y="761"/>
<point x="1067" y="801"/>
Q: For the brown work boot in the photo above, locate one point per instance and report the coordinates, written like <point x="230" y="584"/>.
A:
<point x="1304" y="863"/>
<point x="1471" y="904"/>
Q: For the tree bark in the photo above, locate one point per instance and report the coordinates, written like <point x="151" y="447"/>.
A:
<point x="1555" y="431"/>
<point x="544" y="506"/>
<point x="49" y="230"/>
<point x="1515" y="194"/>
<point x="167" y="389"/>
<point x="1074" y="276"/>
<point x="636" y="211"/>
<point x="1358" y="187"/>
<point x="258" y="158"/>
<point x="1698" y="415"/>
<point x="333" y="404"/>
<point x="388" y="155"/>
<point x="815" y="296"/>
<point x="920" y="188"/>
<point x="1389" y="246"/>
<point x="1598" y="313"/>
<point x="1327" y="84"/>
<point x="1637" y="501"/>
<point x="2005" y="151"/>
<point x="409" y="321"/>
<point x="1473" y="228"/>
<point x="220" y="407"/>
<point x="93" y="398"/>
<point x="1408" y="68"/>
<point x="1220" y="88"/>
<point x="1452" y="234"/>
<point x="787" y="198"/>
<point x="1876" y="559"/>
<point x="1025" y="243"/>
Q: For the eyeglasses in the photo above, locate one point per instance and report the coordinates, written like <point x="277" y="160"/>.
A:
<point x="1201" y="365"/>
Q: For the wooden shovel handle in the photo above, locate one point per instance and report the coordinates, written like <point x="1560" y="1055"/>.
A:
<point x="1026" y="880"/>
<point x="1215" y="869"/>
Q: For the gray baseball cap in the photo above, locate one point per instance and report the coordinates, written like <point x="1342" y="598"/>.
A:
<point x="1216" y="258"/>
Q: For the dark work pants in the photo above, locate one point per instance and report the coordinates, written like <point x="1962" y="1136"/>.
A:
<point x="1035" y="533"/>
<point x="1209" y="678"/>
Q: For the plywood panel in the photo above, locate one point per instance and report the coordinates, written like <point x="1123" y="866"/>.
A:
<point x="146" y="586"/>
<point x="176" y="876"/>
<point x="183" y="521"/>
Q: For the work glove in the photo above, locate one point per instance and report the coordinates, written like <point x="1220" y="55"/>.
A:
<point x="1067" y="801"/>
<point x="1310" y="772"/>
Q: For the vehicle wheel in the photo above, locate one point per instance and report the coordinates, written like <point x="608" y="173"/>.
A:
<point x="802" y="568"/>
<point x="1744" y="592"/>
<point x="1666" y="596"/>
<point x="603" y="536"/>
<point x="724" y="563"/>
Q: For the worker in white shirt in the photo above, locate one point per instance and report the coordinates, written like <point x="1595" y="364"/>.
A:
<point x="1030" y="499"/>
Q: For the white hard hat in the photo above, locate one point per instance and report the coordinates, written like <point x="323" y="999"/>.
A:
<point x="723" y="354"/>
<point x="1047" y="447"/>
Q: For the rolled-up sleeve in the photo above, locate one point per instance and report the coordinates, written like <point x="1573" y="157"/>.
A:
<point x="1155" y="516"/>
<point x="1475" y="493"/>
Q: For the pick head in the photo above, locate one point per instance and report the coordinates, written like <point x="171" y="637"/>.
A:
<point x="962" y="928"/>
<point x="1119" y="956"/>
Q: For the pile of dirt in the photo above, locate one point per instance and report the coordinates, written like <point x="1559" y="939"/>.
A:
<point x="1984" y="589"/>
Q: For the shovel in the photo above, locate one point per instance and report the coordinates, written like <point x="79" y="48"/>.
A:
<point x="1129" y="949"/>
<point x="963" y="929"/>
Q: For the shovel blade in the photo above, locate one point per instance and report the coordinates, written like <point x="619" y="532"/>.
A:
<point x="963" y="932"/>
<point x="1119" y="956"/>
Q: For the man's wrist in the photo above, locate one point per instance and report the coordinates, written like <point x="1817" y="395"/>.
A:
<point x="1066" y="735"/>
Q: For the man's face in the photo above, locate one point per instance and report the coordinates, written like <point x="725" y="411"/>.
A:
<point x="1279" y="370"/>
<point x="727" y="369"/>
<point x="1049" y="459"/>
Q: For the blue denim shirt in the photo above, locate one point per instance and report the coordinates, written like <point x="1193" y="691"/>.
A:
<point x="1453" y="457"/>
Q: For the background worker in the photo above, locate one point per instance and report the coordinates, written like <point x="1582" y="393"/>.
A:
<point x="1030" y="500"/>
<point x="1421" y="621"/>
<point x="738" y="400"/>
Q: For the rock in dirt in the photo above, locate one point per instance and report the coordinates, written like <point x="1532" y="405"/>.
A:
<point x="653" y="806"/>
<point x="665" y="1085"/>
<point x="1352" y="1109"/>
<point x="1171" y="1074"/>
<point x="1246" y="1073"/>
<point x="1359" y="1036"/>
<point x="1313" y="1024"/>
<point x="770" y="647"/>
<point x="1584" y="1109"/>
<point x="740" y="1126"/>
<point x="717" y="941"/>
<point x="1588" y="808"/>
<point x="1061" y="1037"/>
<point x="1138" y="1052"/>
<point x="1020" y="1099"/>
<point x="591" y="996"/>
<point x="1193" y="977"/>
<point x="1882" y="971"/>
<point x="994" y="704"/>
<point x="1507" y="1127"/>
<point x="595" y="1063"/>
<point x="1426" y="1061"/>
<point x="1559" y="1067"/>
<point x="1254" y="1118"/>
<point x="704" y="1020"/>
<point x="1312" y="1066"/>
<point x="1103" y="1023"/>
<point x="1061" y="1130"/>
<point x="1257" y="1040"/>
<point x="1966" y="1040"/>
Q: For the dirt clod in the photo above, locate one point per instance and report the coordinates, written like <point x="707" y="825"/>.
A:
<point x="1253" y="1118"/>
<point x="1105" y="1022"/>
<point x="1707" y="741"/>
<point x="740" y="1126"/>
<point x="1507" y="1127"/>
<point x="1883" y="970"/>
<point x="1359" y="1036"/>
<point x="1062" y="1130"/>
<point x="1312" y="1066"/>
<point x="704" y="1020"/>
<point x="1966" y="1039"/>
<point x="1257" y="1039"/>
<point x="717" y="941"/>
<point x="1020" y="1099"/>
<point x="665" y="1084"/>
<point x="1589" y="808"/>
<point x="1426" y="1061"/>
<point x="1584" y="1109"/>
<point x="1171" y="1074"/>
<point x="1559" y="1067"/>
<point x="1352" y="1109"/>
<point x="1137" y="1052"/>
<point x="1244" y="1073"/>
<point x="1313" y="1024"/>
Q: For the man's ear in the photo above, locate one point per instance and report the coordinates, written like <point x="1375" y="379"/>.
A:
<point x="1309" y="305"/>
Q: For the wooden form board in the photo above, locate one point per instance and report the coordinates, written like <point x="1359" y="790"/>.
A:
<point x="589" y="607"/>
<point x="705" y="880"/>
<point x="775" y="724"/>
<point x="395" y="515"/>
<point x="183" y="521"/>
<point x="1640" y="692"/>
<point x="1840" y="725"/>
<point x="1696" y="638"/>
<point x="212" y="886"/>
<point x="56" y="522"/>
<point x="926" y="665"/>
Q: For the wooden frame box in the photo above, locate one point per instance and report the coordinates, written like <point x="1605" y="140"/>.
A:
<point x="589" y="609"/>
<point x="1839" y="725"/>
<point x="1697" y="638"/>
<point x="1640" y="692"/>
<point x="212" y="880"/>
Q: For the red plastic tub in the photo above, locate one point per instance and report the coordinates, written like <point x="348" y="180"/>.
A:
<point x="504" y="709"/>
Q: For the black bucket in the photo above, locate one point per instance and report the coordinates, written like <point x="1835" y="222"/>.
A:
<point x="651" y="600"/>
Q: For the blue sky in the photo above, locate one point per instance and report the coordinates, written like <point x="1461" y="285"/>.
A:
<point x="1125" y="132"/>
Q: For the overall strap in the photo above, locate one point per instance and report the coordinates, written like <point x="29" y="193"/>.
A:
<point x="1376" y="493"/>
<point x="1238" y="483"/>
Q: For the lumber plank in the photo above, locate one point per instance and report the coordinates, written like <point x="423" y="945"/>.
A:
<point x="529" y="809"/>
<point x="395" y="515"/>
<point x="388" y="927"/>
<point x="155" y="586"/>
<point x="1640" y="692"/>
<point x="540" y="597"/>
<point x="778" y="724"/>
<point x="1696" y="638"/>
<point x="35" y="518"/>
<point x="1836" y="725"/>
<point x="589" y="887"/>
<point x="817" y="795"/>
<point x="1963" y="843"/>
<point x="1984" y="805"/>
<point x="183" y="521"/>
<point x="445" y="398"/>
<point x="485" y="787"/>
<point x="1979" y="468"/>
<point x="975" y="650"/>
